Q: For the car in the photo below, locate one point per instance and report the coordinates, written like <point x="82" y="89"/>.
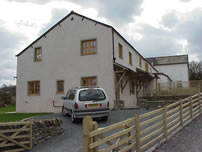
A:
<point x="86" y="101"/>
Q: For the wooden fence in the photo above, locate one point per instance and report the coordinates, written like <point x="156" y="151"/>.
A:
<point x="15" y="136"/>
<point x="142" y="131"/>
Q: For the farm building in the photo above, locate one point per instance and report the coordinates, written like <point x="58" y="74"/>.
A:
<point x="79" y="51"/>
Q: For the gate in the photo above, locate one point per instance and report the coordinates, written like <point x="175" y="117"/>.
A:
<point x="16" y="136"/>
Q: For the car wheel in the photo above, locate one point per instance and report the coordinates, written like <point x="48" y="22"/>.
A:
<point x="63" y="111"/>
<point x="72" y="117"/>
<point x="105" y="118"/>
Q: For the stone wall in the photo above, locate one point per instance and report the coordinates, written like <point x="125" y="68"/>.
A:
<point x="45" y="129"/>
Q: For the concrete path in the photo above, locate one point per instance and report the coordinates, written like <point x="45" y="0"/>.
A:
<point x="189" y="139"/>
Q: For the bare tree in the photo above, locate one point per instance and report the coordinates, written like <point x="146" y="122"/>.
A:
<point x="195" y="70"/>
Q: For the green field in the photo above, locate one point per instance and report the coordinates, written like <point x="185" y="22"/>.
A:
<point x="9" y="108"/>
<point x="11" y="117"/>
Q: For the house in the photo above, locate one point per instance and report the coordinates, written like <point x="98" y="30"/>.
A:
<point x="176" y="68"/>
<point x="79" y="51"/>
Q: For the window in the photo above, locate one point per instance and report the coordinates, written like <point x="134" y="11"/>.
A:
<point x="146" y="67"/>
<point x="89" y="81"/>
<point x="71" y="94"/>
<point x="92" y="94"/>
<point x="130" y="58"/>
<point x="60" y="86"/>
<point x="140" y="62"/>
<point x="37" y="54"/>
<point x="33" y="87"/>
<point x="120" y="51"/>
<point x="88" y="47"/>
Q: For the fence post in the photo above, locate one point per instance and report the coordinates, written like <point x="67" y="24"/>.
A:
<point x="191" y="107"/>
<point x="87" y="127"/>
<point x="199" y="101"/>
<point x="137" y="133"/>
<point x="181" y="113"/>
<point x="95" y="126"/>
<point x="165" y="122"/>
<point x="30" y="133"/>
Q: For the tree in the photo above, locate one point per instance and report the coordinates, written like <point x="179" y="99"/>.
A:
<point x="195" y="70"/>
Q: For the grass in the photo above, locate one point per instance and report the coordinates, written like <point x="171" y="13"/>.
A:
<point x="11" y="117"/>
<point x="9" y="108"/>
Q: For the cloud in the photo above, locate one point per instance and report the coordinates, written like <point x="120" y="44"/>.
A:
<point x="191" y="30"/>
<point x="170" y="20"/>
<point x="32" y="1"/>
<point x="156" y="42"/>
<point x="56" y="15"/>
<point x="9" y="43"/>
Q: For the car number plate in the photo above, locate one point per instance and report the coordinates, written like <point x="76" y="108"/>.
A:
<point x="93" y="105"/>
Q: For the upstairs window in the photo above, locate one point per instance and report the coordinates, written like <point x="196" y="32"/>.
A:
<point x="88" y="47"/>
<point x="120" y="51"/>
<point x="60" y="86"/>
<point x="146" y="67"/>
<point x="89" y="81"/>
<point x="140" y="62"/>
<point x="130" y="58"/>
<point x="33" y="87"/>
<point x="37" y="54"/>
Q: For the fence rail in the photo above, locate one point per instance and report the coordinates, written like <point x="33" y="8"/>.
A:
<point x="16" y="136"/>
<point x="142" y="131"/>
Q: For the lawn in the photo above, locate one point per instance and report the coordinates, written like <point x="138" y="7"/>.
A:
<point x="11" y="117"/>
<point x="9" y="108"/>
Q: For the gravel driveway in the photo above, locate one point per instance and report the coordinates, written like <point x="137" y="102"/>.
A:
<point x="71" y="140"/>
<point x="189" y="139"/>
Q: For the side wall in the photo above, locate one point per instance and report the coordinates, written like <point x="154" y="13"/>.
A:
<point x="177" y="72"/>
<point x="62" y="60"/>
<point x="129" y="98"/>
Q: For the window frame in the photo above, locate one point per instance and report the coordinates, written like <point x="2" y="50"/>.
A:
<point x="89" y="80"/>
<point x="130" y="58"/>
<point x="57" y="87"/>
<point x="36" y="59"/>
<point x="146" y="67"/>
<point x="120" y="51"/>
<point x="34" y="88"/>
<point x="140" y="62"/>
<point x="89" y="52"/>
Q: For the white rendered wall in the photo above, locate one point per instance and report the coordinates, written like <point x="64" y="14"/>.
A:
<point x="61" y="60"/>
<point x="177" y="72"/>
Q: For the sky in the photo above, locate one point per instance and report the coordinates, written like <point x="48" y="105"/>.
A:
<point x="153" y="27"/>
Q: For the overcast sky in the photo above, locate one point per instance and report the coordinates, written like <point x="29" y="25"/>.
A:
<point x="153" y="27"/>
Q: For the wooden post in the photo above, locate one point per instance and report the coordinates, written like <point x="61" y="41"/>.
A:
<point x="165" y="122"/>
<point x="191" y="107"/>
<point x="181" y="113"/>
<point x="87" y="127"/>
<point x="137" y="133"/>
<point x="199" y="102"/>
<point x="30" y="133"/>
<point x="95" y="126"/>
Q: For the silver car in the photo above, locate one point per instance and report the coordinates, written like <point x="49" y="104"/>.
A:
<point x="82" y="101"/>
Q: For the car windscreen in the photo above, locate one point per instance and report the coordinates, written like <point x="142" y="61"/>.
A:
<point x="91" y="95"/>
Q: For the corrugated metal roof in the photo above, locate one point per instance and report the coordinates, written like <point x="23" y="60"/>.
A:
<point x="177" y="59"/>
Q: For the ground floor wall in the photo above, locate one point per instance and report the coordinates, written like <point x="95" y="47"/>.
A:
<point x="49" y="100"/>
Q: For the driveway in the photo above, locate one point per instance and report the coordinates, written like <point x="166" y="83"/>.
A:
<point x="71" y="140"/>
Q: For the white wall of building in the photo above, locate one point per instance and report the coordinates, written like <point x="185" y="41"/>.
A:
<point x="61" y="60"/>
<point x="177" y="72"/>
